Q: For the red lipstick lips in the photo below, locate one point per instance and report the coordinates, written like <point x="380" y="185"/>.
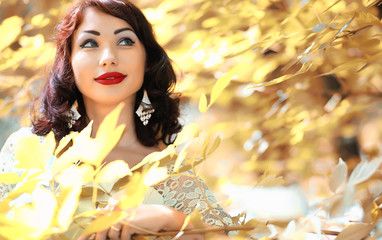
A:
<point x="110" y="78"/>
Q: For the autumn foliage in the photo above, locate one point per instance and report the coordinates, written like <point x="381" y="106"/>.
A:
<point x="282" y="102"/>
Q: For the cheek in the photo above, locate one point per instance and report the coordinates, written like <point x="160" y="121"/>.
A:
<point x="140" y="66"/>
<point x="140" y="58"/>
<point x="80" y="68"/>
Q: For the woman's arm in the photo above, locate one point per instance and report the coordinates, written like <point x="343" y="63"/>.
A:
<point x="148" y="218"/>
<point x="181" y="195"/>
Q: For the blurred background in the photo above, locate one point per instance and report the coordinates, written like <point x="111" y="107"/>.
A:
<point x="306" y="89"/>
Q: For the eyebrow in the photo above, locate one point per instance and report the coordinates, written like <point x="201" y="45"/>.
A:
<point x="115" y="32"/>
<point x="92" y="32"/>
<point x="123" y="29"/>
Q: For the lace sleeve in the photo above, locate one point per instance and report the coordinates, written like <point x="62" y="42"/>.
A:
<point x="8" y="160"/>
<point x="184" y="193"/>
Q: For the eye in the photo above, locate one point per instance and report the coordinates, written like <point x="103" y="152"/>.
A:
<point x="126" y="42"/>
<point x="89" y="44"/>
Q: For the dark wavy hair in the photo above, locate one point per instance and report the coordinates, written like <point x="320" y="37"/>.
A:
<point x="60" y="91"/>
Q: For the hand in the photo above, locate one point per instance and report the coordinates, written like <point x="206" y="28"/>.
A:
<point x="143" y="220"/>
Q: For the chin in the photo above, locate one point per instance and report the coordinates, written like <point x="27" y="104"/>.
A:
<point x="109" y="99"/>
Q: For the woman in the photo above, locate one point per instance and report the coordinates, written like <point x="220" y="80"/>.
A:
<point x="107" y="54"/>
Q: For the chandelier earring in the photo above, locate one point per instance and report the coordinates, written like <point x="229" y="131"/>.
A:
<point x="145" y="109"/>
<point x="73" y="115"/>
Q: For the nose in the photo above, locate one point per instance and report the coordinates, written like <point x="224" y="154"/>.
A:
<point x="108" y="58"/>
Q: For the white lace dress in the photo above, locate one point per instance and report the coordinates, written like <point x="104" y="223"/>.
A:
<point x="180" y="192"/>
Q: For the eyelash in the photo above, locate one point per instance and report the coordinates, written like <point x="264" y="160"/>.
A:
<point x="83" y="45"/>
<point x="131" y="42"/>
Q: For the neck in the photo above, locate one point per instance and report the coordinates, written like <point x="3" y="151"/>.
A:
<point x="97" y="112"/>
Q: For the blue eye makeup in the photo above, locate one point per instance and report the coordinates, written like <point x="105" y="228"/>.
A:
<point x="89" y="44"/>
<point x="126" y="42"/>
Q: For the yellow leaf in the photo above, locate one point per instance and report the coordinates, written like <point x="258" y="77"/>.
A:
<point x="364" y="170"/>
<point x="168" y="6"/>
<point x="210" y="22"/>
<point x="7" y="82"/>
<point x="76" y="175"/>
<point x="10" y="28"/>
<point x="33" y="45"/>
<point x="34" y="219"/>
<point x="68" y="199"/>
<point x="203" y="103"/>
<point x="27" y="187"/>
<point x="32" y="154"/>
<point x="135" y="191"/>
<point x="347" y="24"/>
<point x="155" y="175"/>
<point x="114" y="170"/>
<point x="103" y="222"/>
<point x="190" y="164"/>
<point x="87" y="214"/>
<point x="182" y="155"/>
<point x="304" y="68"/>
<point x="265" y="238"/>
<point x="39" y="21"/>
<point x="270" y="181"/>
<point x="196" y="219"/>
<point x="356" y="231"/>
<point x="34" y="176"/>
<point x="72" y="155"/>
<point x="215" y="145"/>
<point x="156" y="156"/>
<point x="10" y="178"/>
<point x="375" y="212"/>
<point x="343" y="202"/>
<point x="94" y="151"/>
<point x="205" y="145"/>
<point x="338" y="176"/>
<point x="185" y="223"/>
<point x="64" y="142"/>
<point x="189" y="132"/>
<point x="219" y="86"/>
<point x="87" y="192"/>
<point x="355" y="64"/>
<point x="109" y="124"/>
<point x="368" y="18"/>
<point x="67" y="159"/>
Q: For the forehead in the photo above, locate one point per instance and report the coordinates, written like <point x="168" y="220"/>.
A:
<point x="94" y="19"/>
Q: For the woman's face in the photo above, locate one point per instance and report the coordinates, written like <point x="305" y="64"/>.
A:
<point x="108" y="60"/>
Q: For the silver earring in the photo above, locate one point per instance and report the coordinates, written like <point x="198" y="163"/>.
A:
<point x="73" y="115"/>
<point x="145" y="109"/>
